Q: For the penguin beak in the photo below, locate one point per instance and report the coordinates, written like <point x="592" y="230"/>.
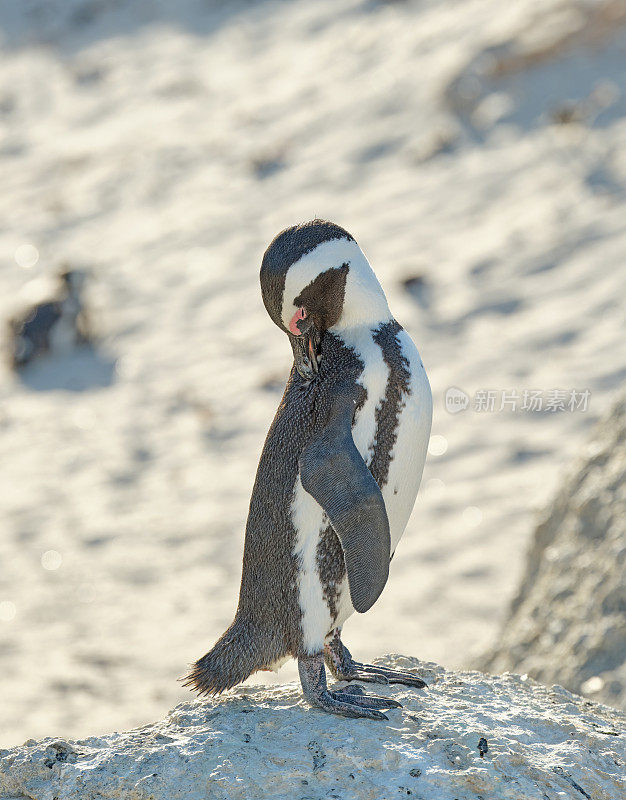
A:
<point x="306" y="351"/>
<point x="312" y="351"/>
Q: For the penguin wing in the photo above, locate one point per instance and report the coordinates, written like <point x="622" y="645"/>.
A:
<point x="334" y="473"/>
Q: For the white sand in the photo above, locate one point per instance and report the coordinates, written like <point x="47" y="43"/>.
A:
<point x="163" y="150"/>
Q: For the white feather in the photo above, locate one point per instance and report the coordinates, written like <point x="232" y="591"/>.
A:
<point x="309" y="521"/>
<point x="374" y="380"/>
<point x="409" y="452"/>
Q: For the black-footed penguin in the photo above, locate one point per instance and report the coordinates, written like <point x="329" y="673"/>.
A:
<point x="337" y="478"/>
<point x="55" y="325"/>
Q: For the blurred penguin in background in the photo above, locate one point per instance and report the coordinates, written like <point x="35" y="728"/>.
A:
<point x="52" y="326"/>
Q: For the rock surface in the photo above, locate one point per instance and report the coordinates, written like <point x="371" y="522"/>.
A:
<point x="568" y="621"/>
<point x="467" y="736"/>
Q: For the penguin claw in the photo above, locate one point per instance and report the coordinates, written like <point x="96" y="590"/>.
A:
<point x="344" y="668"/>
<point x="362" y="675"/>
<point x="351" y="708"/>
<point x="359" y="698"/>
<point x="391" y="675"/>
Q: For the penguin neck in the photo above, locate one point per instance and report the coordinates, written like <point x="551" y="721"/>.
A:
<point x="360" y="338"/>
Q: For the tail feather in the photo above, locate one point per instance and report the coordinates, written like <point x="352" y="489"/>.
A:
<point x="233" y="658"/>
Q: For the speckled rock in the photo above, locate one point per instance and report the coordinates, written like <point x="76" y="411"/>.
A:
<point x="568" y="621"/>
<point x="467" y="736"/>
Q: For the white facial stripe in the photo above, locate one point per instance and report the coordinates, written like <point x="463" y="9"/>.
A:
<point x="364" y="302"/>
<point x="300" y="274"/>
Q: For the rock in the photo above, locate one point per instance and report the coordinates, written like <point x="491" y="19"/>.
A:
<point x="567" y="623"/>
<point x="467" y="736"/>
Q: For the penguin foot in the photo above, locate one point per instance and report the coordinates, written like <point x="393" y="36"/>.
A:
<point x="345" y="668"/>
<point x="347" y="703"/>
<point x="374" y="674"/>
<point x="351" y="693"/>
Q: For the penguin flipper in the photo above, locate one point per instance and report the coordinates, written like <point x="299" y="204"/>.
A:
<point x="334" y="473"/>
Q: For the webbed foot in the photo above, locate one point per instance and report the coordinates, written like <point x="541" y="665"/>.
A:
<point x="350" y="702"/>
<point x="344" y="668"/>
<point x="356" y="695"/>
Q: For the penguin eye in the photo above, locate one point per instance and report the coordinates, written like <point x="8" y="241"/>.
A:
<point x="293" y="325"/>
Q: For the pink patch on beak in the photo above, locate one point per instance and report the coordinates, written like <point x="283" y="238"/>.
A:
<point x="293" y="325"/>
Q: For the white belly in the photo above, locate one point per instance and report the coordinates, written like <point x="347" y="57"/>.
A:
<point x="399" y="493"/>
<point x="408" y="454"/>
<point x="309" y="521"/>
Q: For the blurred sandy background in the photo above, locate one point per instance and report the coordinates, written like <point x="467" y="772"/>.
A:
<point x="474" y="149"/>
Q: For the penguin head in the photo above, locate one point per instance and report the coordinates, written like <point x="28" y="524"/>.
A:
<point x="73" y="281"/>
<point x="314" y="278"/>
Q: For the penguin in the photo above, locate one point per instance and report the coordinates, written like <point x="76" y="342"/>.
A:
<point x="337" y="478"/>
<point x="55" y="325"/>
